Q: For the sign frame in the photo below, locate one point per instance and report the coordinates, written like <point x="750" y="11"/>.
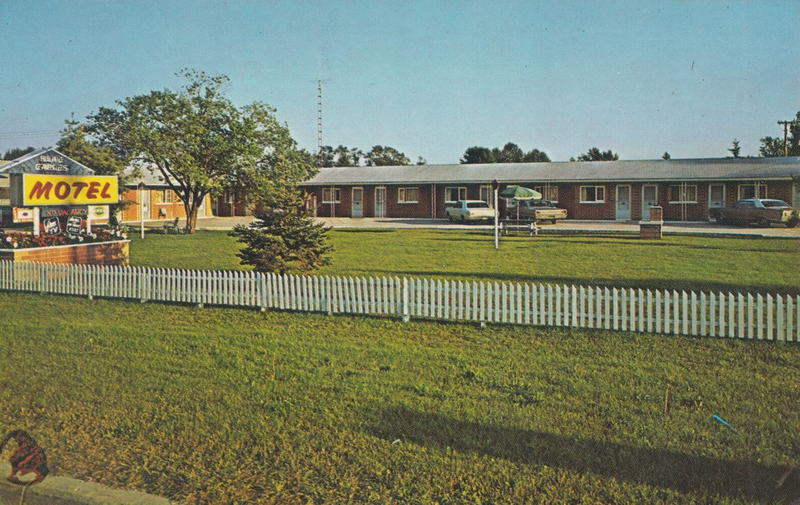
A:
<point x="43" y="190"/>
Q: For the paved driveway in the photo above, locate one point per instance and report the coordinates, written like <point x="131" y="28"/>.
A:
<point x="567" y="226"/>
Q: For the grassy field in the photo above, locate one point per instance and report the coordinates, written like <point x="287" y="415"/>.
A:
<point x="231" y="406"/>
<point x="679" y="262"/>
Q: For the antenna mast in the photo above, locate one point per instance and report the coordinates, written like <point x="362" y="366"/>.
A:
<point x="319" y="121"/>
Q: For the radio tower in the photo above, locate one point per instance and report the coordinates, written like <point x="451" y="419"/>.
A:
<point x="319" y="122"/>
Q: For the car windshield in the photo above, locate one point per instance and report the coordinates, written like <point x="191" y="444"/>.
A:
<point x="477" y="205"/>
<point x="774" y="203"/>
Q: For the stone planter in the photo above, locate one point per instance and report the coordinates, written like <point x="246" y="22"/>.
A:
<point x="95" y="253"/>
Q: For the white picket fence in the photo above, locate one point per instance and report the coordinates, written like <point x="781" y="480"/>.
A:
<point x="714" y="314"/>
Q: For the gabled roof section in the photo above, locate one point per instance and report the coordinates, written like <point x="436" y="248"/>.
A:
<point x="45" y="161"/>
<point x="567" y="171"/>
<point x="149" y="175"/>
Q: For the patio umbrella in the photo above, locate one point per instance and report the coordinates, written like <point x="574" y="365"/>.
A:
<point x="520" y="193"/>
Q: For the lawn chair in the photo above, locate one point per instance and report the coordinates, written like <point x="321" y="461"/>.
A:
<point x="172" y="226"/>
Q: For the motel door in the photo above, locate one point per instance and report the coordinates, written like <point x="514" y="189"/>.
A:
<point x="716" y="197"/>
<point x="358" y="202"/>
<point x="649" y="199"/>
<point x="380" y="201"/>
<point x="623" y="202"/>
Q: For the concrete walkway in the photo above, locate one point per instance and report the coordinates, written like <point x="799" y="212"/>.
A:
<point x="569" y="226"/>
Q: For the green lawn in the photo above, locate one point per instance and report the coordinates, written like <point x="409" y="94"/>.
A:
<point x="679" y="262"/>
<point x="233" y="406"/>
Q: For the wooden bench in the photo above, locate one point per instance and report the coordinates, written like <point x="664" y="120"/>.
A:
<point x="519" y="225"/>
<point x="172" y="226"/>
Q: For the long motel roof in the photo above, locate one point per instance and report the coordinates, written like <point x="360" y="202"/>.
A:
<point x="567" y="171"/>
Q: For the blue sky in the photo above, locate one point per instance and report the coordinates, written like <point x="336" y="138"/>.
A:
<point x="430" y="78"/>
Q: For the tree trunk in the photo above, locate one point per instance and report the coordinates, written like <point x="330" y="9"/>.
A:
<point x="190" y="208"/>
<point x="191" y="224"/>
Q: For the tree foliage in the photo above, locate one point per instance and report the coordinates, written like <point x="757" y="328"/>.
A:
<point x="199" y="142"/>
<point x="665" y="156"/>
<point x="381" y="156"/>
<point x="772" y="147"/>
<point x="595" y="154"/>
<point x="102" y="159"/>
<point x="284" y="238"/>
<point x="510" y="153"/>
<point x="735" y="149"/>
<point x="16" y="152"/>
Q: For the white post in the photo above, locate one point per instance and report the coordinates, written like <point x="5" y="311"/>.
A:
<point x="141" y="211"/>
<point x="36" y="221"/>
<point x="496" y="219"/>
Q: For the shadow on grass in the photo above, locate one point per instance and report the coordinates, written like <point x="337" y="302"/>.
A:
<point x="609" y="240"/>
<point x="365" y="230"/>
<point x="654" y="467"/>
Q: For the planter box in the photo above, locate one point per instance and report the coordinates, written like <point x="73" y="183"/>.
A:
<point x="95" y="253"/>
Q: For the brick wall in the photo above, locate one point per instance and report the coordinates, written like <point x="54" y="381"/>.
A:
<point x="156" y="210"/>
<point x="102" y="253"/>
<point x="568" y="198"/>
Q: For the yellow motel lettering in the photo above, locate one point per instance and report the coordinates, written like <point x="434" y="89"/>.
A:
<point x="69" y="190"/>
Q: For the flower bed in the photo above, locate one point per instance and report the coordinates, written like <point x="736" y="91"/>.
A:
<point x="20" y="240"/>
<point x="103" y="247"/>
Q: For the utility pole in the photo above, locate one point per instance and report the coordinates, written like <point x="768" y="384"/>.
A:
<point x="785" y="134"/>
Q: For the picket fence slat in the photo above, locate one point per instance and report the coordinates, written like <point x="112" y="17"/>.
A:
<point x="759" y="316"/>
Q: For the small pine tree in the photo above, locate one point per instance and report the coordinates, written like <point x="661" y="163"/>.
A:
<point x="735" y="149"/>
<point x="284" y="239"/>
<point x="665" y="156"/>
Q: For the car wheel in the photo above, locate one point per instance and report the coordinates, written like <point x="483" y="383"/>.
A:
<point x="553" y="221"/>
<point x="450" y="218"/>
<point x="463" y="220"/>
<point x="793" y="222"/>
<point x="763" y="222"/>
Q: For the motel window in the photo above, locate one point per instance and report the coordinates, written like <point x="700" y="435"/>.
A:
<point x="454" y="194"/>
<point x="683" y="193"/>
<point x="164" y="196"/>
<point x="752" y="191"/>
<point x="548" y="192"/>
<point x="593" y="194"/>
<point x="487" y="195"/>
<point x="407" y="195"/>
<point x="331" y="195"/>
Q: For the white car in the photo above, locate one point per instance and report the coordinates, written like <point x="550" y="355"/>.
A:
<point x="469" y="210"/>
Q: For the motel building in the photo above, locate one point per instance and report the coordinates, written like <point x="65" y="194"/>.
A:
<point x="147" y="195"/>
<point x="589" y="190"/>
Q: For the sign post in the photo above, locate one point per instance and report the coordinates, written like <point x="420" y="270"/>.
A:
<point x="36" y="221"/>
<point x="495" y="187"/>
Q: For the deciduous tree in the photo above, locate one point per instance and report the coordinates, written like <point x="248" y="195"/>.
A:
<point x="595" y="154"/>
<point x="510" y="153"/>
<point x="16" y="152"/>
<point x="197" y="140"/>
<point x="380" y="156"/>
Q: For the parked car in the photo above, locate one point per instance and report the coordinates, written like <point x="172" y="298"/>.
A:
<point x="760" y="211"/>
<point x="469" y="210"/>
<point x="537" y="210"/>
